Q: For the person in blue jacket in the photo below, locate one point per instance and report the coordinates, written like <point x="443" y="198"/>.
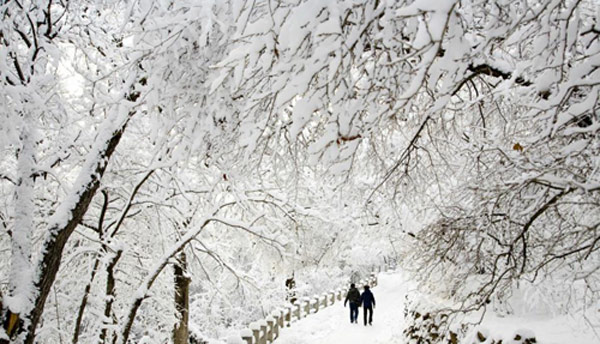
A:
<point x="368" y="302"/>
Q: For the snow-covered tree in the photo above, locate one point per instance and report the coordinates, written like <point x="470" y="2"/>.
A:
<point x="121" y="154"/>
<point x="219" y="147"/>
<point x="483" y="112"/>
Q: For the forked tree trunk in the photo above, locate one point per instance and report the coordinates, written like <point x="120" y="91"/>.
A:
<point x="59" y="232"/>
<point x="182" y="300"/>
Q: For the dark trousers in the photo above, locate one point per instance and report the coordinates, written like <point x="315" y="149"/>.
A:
<point x="370" y="310"/>
<point x="353" y="312"/>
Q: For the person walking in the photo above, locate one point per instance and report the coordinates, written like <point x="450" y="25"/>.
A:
<point x="367" y="299"/>
<point x="353" y="296"/>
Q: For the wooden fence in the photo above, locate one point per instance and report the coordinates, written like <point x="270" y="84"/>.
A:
<point x="267" y="330"/>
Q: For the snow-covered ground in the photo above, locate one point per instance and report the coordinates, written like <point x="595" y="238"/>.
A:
<point x="332" y="324"/>
<point x="547" y="330"/>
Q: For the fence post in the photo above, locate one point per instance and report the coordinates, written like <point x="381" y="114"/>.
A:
<point x="284" y="317"/>
<point x="331" y="298"/>
<point x="278" y="319"/>
<point x="263" y="337"/>
<point x="288" y="316"/>
<point x="270" y="329"/>
<point x="307" y="307"/>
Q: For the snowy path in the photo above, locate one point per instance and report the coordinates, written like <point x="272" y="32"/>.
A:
<point x="332" y="324"/>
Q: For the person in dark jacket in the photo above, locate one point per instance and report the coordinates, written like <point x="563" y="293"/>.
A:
<point x="368" y="302"/>
<point x="354" y="297"/>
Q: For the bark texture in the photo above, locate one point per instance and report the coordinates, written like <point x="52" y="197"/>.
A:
<point x="182" y="300"/>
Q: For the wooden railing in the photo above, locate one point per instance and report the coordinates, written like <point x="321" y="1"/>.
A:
<point x="267" y="330"/>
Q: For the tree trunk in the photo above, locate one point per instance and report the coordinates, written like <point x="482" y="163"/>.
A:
<point x="84" y="300"/>
<point x="88" y="287"/>
<point x="110" y="291"/>
<point x="182" y="300"/>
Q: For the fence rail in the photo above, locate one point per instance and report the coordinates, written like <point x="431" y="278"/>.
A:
<point x="267" y="330"/>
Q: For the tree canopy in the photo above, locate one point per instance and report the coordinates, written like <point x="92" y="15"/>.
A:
<point x="241" y="143"/>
